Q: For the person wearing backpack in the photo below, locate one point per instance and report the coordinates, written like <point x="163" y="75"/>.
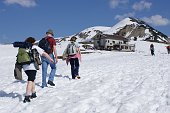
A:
<point x="74" y="55"/>
<point x="31" y="70"/>
<point x="48" y="44"/>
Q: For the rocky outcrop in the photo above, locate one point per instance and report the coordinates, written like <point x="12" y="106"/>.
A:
<point x="132" y="31"/>
<point x="130" y="28"/>
<point x="141" y="30"/>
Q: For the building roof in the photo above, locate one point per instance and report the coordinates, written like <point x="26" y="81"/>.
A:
<point x="114" y="37"/>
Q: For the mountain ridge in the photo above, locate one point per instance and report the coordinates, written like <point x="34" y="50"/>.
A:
<point x="129" y="28"/>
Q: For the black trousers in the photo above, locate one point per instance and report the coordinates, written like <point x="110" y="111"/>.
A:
<point x="152" y="52"/>
<point x="74" y="62"/>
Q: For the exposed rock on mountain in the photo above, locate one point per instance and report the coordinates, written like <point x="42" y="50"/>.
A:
<point x="134" y="28"/>
<point x="130" y="28"/>
<point x="88" y="33"/>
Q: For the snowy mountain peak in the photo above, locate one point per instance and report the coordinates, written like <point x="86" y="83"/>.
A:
<point x="88" y="33"/>
<point x="132" y="27"/>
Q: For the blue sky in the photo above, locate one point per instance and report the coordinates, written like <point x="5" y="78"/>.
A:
<point x="20" y="19"/>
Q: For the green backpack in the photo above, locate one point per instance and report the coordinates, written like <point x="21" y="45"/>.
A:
<point x="24" y="56"/>
<point x="27" y="56"/>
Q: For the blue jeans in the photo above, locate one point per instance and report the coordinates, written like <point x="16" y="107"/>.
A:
<point x="74" y="62"/>
<point x="45" y="63"/>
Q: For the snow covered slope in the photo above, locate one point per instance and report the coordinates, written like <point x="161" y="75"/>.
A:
<point x="111" y="82"/>
<point x="88" y="33"/>
<point x="120" y="25"/>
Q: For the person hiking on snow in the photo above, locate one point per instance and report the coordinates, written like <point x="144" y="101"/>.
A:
<point x="45" y="62"/>
<point x="31" y="71"/>
<point x="73" y="55"/>
<point x="152" y="49"/>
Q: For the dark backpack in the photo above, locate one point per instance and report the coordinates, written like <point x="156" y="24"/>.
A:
<point x="45" y="45"/>
<point x="36" y="58"/>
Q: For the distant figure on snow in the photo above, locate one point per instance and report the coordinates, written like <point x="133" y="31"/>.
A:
<point x="152" y="49"/>
<point x="168" y="49"/>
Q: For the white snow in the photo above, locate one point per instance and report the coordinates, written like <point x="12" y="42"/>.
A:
<point x="91" y="32"/>
<point x="119" y="26"/>
<point x="111" y="82"/>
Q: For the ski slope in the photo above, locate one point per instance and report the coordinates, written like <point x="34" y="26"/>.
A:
<point x="111" y="82"/>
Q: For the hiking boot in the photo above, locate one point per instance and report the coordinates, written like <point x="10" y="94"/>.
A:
<point x="77" y="77"/>
<point x="33" y="95"/>
<point x="26" y="99"/>
<point x="51" y="83"/>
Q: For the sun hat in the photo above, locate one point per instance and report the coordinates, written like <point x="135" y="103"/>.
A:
<point x="50" y="31"/>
